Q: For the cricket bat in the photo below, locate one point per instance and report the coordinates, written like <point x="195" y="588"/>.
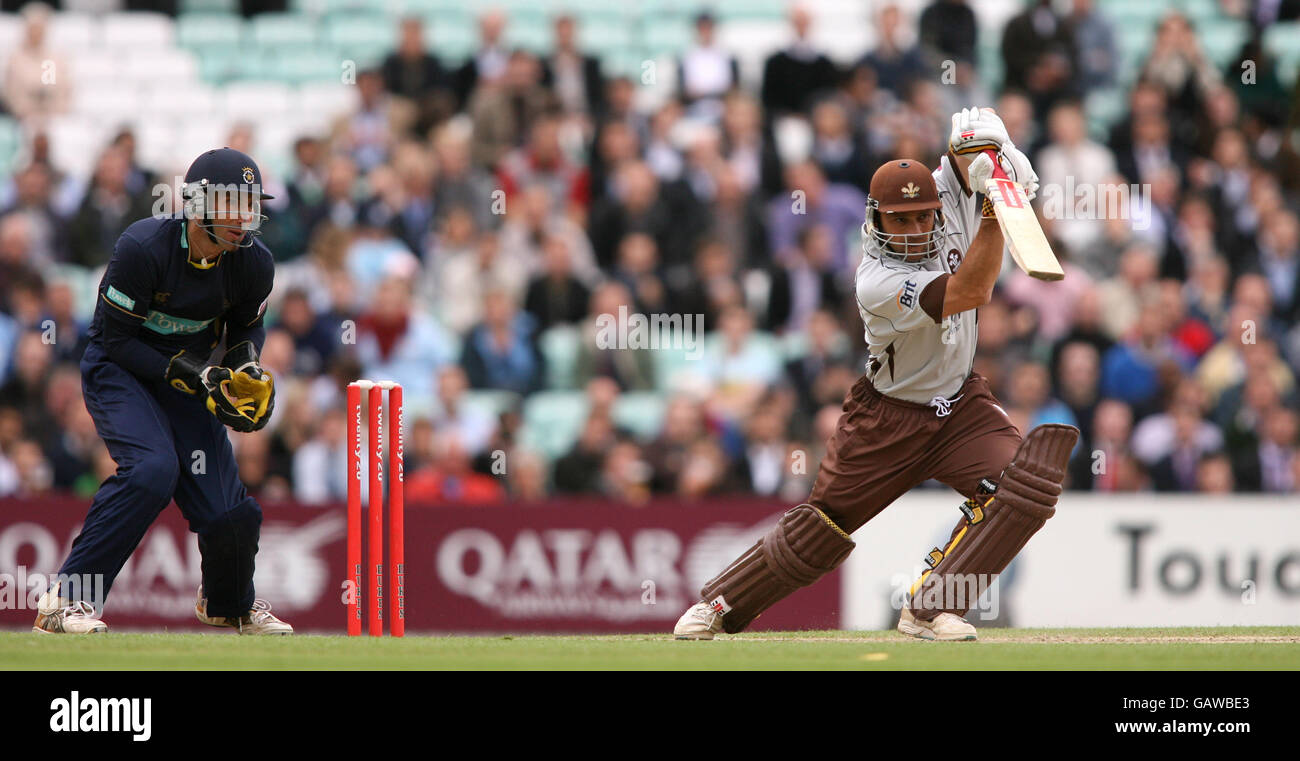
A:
<point x="1020" y="228"/>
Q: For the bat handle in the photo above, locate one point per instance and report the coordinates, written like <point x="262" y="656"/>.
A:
<point x="998" y="172"/>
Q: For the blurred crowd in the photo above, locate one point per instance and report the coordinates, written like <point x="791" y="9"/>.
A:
<point x="468" y="214"/>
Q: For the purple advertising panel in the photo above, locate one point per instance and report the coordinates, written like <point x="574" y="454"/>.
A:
<point x="581" y="566"/>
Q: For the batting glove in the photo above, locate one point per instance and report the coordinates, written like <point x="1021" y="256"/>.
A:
<point x="977" y="129"/>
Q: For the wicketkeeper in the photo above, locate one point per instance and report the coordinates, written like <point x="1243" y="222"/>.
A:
<point x="932" y="253"/>
<point x="173" y="289"/>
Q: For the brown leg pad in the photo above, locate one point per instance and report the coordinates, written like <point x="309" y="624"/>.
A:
<point x="804" y="546"/>
<point x="1026" y="497"/>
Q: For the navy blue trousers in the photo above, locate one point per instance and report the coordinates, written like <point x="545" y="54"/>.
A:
<point x="167" y="446"/>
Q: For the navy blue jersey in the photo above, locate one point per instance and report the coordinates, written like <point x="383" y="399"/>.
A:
<point x="154" y="302"/>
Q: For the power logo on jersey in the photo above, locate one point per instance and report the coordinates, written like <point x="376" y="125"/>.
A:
<point x="119" y="298"/>
<point x="907" y="295"/>
<point x="167" y="325"/>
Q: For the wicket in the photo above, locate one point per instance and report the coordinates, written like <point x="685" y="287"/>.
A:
<point x="396" y="528"/>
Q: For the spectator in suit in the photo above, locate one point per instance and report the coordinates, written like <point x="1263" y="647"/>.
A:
<point x="1279" y="261"/>
<point x="895" y="65"/>
<point x="841" y="158"/>
<point x="1078" y="379"/>
<point x="1137" y="369"/>
<point x="578" y="471"/>
<point x="505" y="110"/>
<point x="413" y="73"/>
<point x="487" y="64"/>
<point x="107" y="207"/>
<point x="369" y="133"/>
<point x="706" y="72"/>
<point x="797" y="73"/>
<point x="501" y="351"/>
<point x="828" y="347"/>
<point x="1093" y="37"/>
<point x="632" y="368"/>
<point x="1038" y="56"/>
<point x="811" y="200"/>
<point x="1270" y="466"/>
<point x="1179" y="66"/>
<point x="556" y="296"/>
<point x="46" y="228"/>
<point x="1177" y="470"/>
<point x="949" y="29"/>
<point x="575" y="78"/>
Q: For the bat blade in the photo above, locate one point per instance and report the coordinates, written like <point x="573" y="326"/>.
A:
<point x="1020" y="228"/>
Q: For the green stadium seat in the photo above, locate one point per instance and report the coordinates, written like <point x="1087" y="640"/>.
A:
<point x="1283" y="40"/>
<point x="220" y="65"/>
<point x="672" y="366"/>
<point x="198" y="31"/>
<point x="188" y="7"/>
<point x="314" y="65"/>
<point x="1201" y="11"/>
<point x="625" y="63"/>
<point x="1146" y="12"/>
<point x="10" y="143"/>
<point x="1104" y="108"/>
<point x="434" y="8"/>
<point x="272" y="30"/>
<point x="534" y="35"/>
<point x="604" y="36"/>
<point x="552" y="421"/>
<point x="731" y="10"/>
<point x="641" y="412"/>
<point x="1222" y="40"/>
<point x="594" y="10"/>
<point x="450" y="38"/>
<point x="559" y="346"/>
<point x="360" y="30"/>
<point x="670" y="37"/>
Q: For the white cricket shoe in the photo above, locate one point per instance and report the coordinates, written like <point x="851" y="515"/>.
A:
<point x="946" y="627"/>
<point x="59" y="615"/>
<point x="698" y="622"/>
<point x="257" y="621"/>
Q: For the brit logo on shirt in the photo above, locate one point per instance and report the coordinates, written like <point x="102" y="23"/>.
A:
<point x="907" y="296"/>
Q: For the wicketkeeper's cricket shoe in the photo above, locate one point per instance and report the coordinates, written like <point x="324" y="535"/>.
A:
<point x="699" y="622"/>
<point x="257" y="621"/>
<point x="59" y="615"/>
<point x="946" y="627"/>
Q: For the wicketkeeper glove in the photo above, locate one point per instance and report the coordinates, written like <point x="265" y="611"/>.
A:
<point x="242" y="360"/>
<point x="226" y="395"/>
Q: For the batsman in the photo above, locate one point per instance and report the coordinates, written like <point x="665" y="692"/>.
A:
<point x="932" y="253"/>
<point x="176" y="286"/>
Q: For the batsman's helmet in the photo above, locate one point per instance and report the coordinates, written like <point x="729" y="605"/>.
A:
<point x="901" y="186"/>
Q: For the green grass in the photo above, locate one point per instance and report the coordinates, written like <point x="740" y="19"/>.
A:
<point x="998" y="649"/>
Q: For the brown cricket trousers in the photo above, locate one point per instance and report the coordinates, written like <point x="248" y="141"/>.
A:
<point x="882" y="447"/>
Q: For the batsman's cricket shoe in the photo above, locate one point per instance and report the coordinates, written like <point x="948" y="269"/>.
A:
<point x="257" y="621"/>
<point x="946" y="627"/>
<point x="59" y="615"/>
<point x="700" y="621"/>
